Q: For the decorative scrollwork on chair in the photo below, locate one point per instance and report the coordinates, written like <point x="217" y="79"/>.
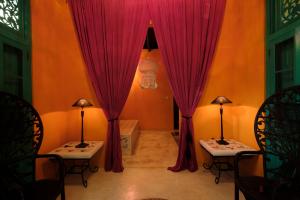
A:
<point x="21" y="135"/>
<point x="277" y="132"/>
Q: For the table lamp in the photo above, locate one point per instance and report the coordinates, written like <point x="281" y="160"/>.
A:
<point x="82" y="102"/>
<point x="221" y="100"/>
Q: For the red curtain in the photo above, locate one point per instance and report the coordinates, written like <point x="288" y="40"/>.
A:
<point x="111" y="34"/>
<point x="187" y="33"/>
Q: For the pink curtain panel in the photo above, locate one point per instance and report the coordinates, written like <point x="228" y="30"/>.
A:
<point x="187" y="33"/>
<point x="111" y="35"/>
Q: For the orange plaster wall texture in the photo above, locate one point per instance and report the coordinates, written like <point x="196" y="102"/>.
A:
<point x="59" y="78"/>
<point x="237" y="72"/>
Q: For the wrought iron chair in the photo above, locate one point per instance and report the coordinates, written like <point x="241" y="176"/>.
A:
<point x="21" y="134"/>
<point x="277" y="132"/>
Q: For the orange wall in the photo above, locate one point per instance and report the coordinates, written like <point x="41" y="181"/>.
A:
<point x="238" y="72"/>
<point x="152" y="107"/>
<point x="59" y="78"/>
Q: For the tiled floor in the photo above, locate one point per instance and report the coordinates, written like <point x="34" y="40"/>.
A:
<point x="153" y="149"/>
<point x="139" y="181"/>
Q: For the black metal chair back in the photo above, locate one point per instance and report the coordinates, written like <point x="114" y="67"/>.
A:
<point x="20" y="139"/>
<point x="21" y="135"/>
<point x="277" y="131"/>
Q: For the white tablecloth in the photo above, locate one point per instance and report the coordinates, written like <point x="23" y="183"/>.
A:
<point x="231" y="149"/>
<point x="69" y="151"/>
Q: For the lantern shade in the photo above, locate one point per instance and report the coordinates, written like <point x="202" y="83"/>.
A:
<point x="82" y="102"/>
<point x="221" y="100"/>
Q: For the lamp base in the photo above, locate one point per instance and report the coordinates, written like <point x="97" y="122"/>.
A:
<point x="222" y="142"/>
<point x="82" y="145"/>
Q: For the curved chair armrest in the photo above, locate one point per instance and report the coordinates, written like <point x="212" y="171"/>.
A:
<point x="60" y="163"/>
<point x="61" y="169"/>
<point x="237" y="158"/>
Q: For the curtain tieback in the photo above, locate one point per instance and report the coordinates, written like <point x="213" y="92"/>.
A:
<point x="113" y="119"/>
<point x="186" y="117"/>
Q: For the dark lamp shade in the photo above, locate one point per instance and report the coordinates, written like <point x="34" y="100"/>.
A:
<point x="82" y="102"/>
<point x="220" y="100"/>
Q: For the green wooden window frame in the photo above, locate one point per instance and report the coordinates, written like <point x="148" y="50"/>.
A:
<point x="283" y="24"/>
<point x="15" y="43"/>
<point x="282" y="33"/>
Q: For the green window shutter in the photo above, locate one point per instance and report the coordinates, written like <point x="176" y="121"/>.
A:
<point x="284" y="64"/>
<point x="15" y="47"/>
<point x="282" y="37"/>
<point x="13" y="69"/>
<point x="297" y="57"/>
<point x="282" y="52"/>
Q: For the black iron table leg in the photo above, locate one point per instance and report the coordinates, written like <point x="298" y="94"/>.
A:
<point x="84" y="181"/>
<point x="84" y="166"/>
<point x="93" y="169"/>
<point x="217" y="179"/>
<point x="208" y="166"/>
<point x="80" y="169"/>
<point x="218" y="165"/>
